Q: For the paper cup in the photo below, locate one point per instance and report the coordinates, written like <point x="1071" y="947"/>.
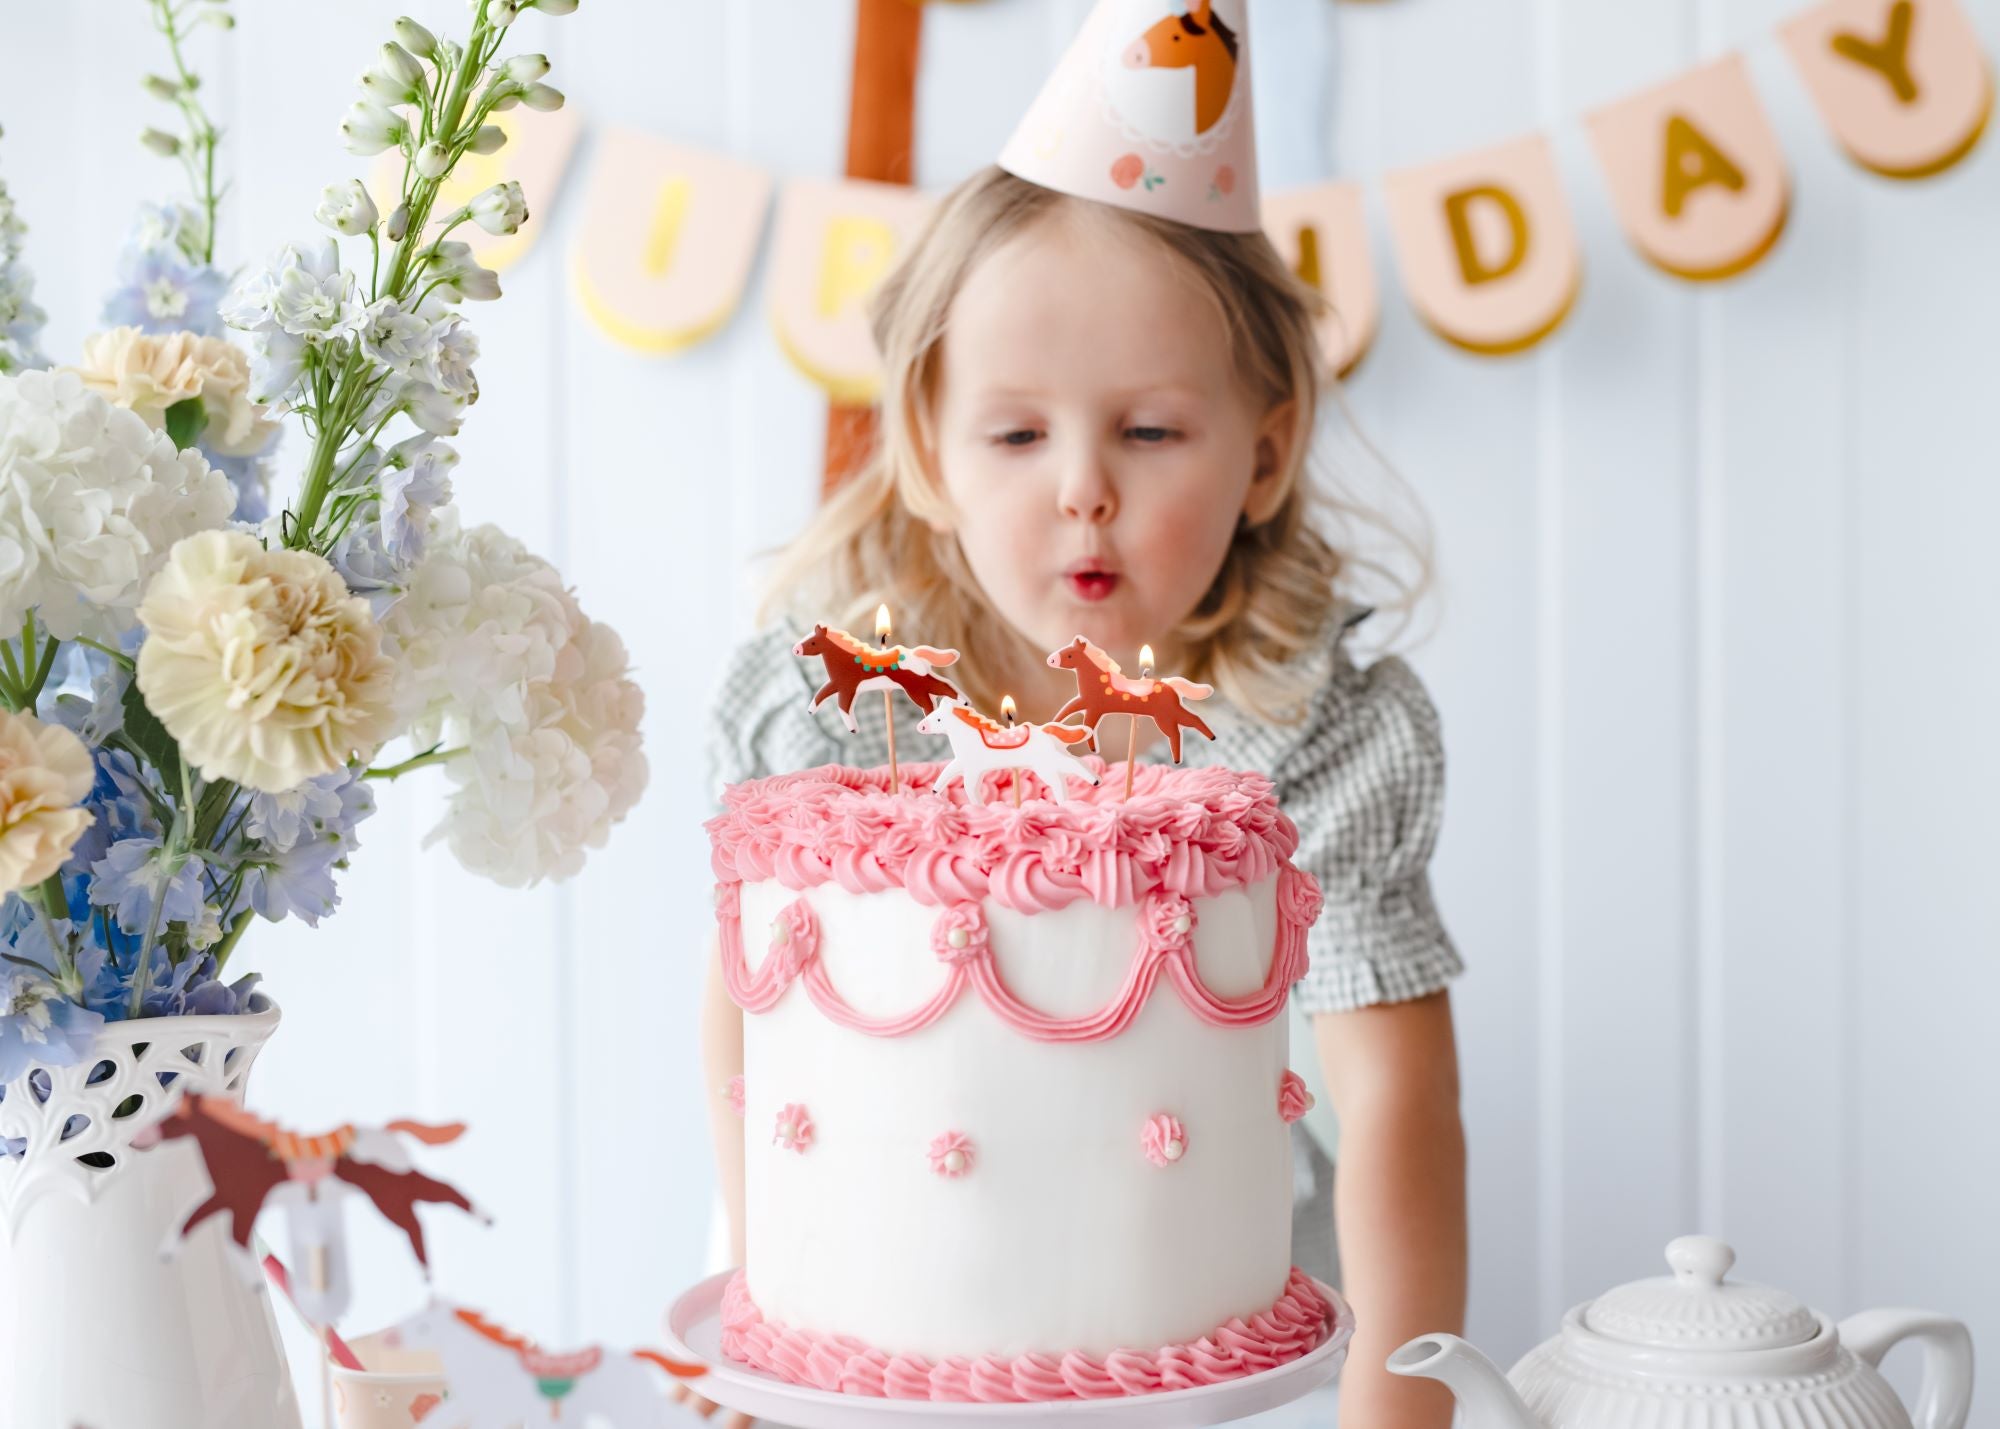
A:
<point x="397" y="1387"/>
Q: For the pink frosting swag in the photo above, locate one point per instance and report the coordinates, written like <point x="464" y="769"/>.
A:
<point x="960" y="938"/>
<point x="1195" y="832"/>
<point x="1300" y="1322"/>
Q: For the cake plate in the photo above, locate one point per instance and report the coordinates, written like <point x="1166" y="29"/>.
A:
<point x="694" y="1331"/>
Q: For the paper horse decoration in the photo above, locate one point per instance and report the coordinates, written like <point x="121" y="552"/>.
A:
<point x="1104" y="689"/>
<point x="980" y="745"/>
<point x="254" y="1164"/>
<point x="499" y="1379"/>
<point x="853" y="665"/>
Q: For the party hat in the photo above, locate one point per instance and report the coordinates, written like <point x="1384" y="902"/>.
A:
<point x="1150" y="110"/>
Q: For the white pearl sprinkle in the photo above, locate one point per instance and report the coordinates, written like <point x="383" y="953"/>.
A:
<point x="1174" y="1150"/>
<point x="954" y="1161"/>
<point x="1183" y="924"/>
<point x="780" y="933"/>
<point x="958" y="937"/>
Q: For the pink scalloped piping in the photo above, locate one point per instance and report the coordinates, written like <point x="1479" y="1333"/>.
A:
<point x="1166" y="944"/>
<point x="1195" y="832"/>
<point x="1300" y="1322"/>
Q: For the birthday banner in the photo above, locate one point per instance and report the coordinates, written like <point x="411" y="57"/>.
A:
<point x="1485" y="245"/>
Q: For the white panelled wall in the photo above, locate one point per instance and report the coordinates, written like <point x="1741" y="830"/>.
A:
<point x="1715" y="652"/>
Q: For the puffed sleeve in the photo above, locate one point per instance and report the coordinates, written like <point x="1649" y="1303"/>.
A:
<point x="1365" y="785"/>
<point x="758" y="723"/>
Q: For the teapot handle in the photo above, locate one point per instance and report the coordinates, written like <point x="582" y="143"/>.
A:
<point x="1945" y="1397"/>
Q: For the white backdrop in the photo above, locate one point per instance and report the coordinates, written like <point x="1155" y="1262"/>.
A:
<point x="1716" y="656"/>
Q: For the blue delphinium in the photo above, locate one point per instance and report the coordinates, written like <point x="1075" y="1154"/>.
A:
<point x="164" y="283"/>
<point x="301" y="837"/>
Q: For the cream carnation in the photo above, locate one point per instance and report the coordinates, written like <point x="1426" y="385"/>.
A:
<point x="90" y="503"/>
<point x="149" y="372"/>
<point x="45" y="772"/>
<point x="261" y="663"/>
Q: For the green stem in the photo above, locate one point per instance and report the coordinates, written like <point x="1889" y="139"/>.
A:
<point x="230" y="939"/>
<point x="118" y="655"/>
<point x="428" y="757"/>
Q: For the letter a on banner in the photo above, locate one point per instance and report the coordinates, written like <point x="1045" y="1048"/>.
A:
<point x="1488" y="252"/>
<point x="1322" y="232"/>
<point x="1695" y="171"/>
<point x="667" y="238"/>
<point x="835" y="243"/>
<point x="1903" y="84"/>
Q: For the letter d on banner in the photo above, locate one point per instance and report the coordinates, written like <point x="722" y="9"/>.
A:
<point x="1488" y="253"/>
<point x="835" y="243"/>
<point x="1903" y="84"/>
<point x="668" y="234"/>
<point x="1695" y="171"/>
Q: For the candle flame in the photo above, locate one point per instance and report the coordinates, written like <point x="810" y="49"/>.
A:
<point x="1007" y="708"/>
<point x="882" y="623"/>
<point x="1146" y="658"/>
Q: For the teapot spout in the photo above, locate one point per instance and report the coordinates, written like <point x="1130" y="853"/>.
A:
<point x="1485" y="1399"/>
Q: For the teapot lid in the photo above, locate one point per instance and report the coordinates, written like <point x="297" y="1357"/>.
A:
<point x="1696" y="1309"/>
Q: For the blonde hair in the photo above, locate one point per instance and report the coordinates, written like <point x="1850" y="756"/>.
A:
<point x="884" y="535"/>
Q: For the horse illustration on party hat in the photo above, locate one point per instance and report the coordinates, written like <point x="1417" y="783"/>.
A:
<point x="1104" y="689"/>
<point x="1197" y="38"/>
<point x="853" y="666"/>
<point x="499" y="1378"/>
<point x="980" y="744"/>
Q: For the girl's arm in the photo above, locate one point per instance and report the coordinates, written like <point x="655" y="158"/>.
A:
<point x="1399" y="1198"/>
<point x="721" y="1059"/>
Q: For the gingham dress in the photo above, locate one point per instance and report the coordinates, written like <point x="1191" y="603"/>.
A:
<point x="1362" y="776"/>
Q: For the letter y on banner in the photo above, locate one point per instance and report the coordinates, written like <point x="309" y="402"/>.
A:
<point x="1904" y="84"/>
<point x="1485" y="242"/>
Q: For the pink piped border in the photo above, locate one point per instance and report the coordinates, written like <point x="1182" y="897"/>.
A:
<point x="1195" y="832"/>
<point x="1301" y="1321"/>
<point x="1165" y="947"/>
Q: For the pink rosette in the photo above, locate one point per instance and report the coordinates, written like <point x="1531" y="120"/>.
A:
<point x="951" y="1155"/>
<point x="1163" y="1141"/>
<point x="733" y="1094"/>
<point x="728" y="902"/>
<point x="1299" y="899"/>
<point x="958" y="935"/>
<point x="794" y="938"/>
<point x="1166" y="922"/>
<point x="1294" y="1101"/>
<point x="794" y="1129"/>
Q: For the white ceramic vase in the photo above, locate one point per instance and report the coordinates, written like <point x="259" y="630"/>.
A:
<point x="98" y="1328"/>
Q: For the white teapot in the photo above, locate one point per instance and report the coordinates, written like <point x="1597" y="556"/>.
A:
<point x="1693" y="1349"/>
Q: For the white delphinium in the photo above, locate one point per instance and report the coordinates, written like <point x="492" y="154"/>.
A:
<point x="346" y="208"/>
<point x="91" y="501"/>
<point x="21" y="319"/>
<point x="531" y="701"/>
<point x="502" y="208"/>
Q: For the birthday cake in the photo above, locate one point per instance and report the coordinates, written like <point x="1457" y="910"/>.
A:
<point x="1015" y="1084"/>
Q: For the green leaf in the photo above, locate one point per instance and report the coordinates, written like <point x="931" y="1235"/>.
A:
<point x="145" y="731"/>
<point x="185" y="421"/>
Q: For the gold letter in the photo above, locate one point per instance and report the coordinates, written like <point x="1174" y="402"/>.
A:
<point x="1308" y="269"/>
<point x="1474" y="269"/>
<point x="1691" y="162"/>
<point x="1891" y="57"/>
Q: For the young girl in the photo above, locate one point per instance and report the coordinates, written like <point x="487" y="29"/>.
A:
<point x="1096" y="420"/>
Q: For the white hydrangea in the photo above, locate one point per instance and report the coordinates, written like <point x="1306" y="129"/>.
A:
<point x="496" y="657"/>
<point x="91" y="501"/>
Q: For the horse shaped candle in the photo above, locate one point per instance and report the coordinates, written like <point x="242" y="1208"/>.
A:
<point x="853" y="665"/>
<point x="1104" y="689"/>
<point x="253" y="1163"/>
<point x="499" y="1379"/>
<point x="980" y="745"/>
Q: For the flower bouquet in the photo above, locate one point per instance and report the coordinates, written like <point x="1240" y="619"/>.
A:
<point x="198" y="693"/>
